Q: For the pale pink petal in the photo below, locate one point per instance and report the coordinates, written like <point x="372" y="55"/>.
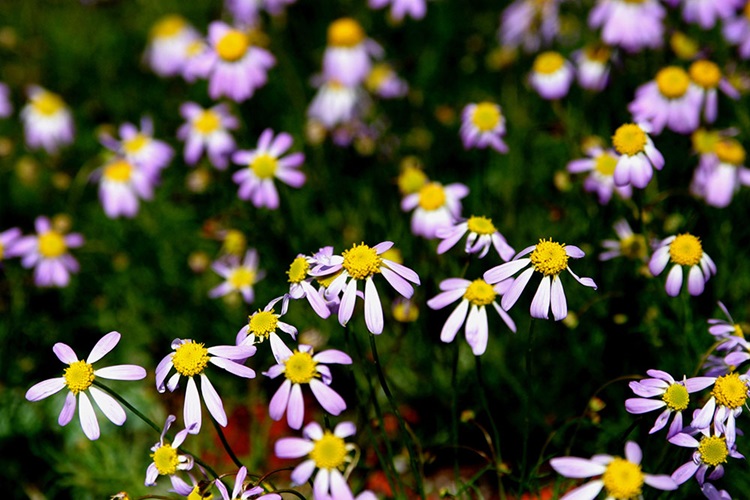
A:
<point x="121" y="372"/>
<point x="346" y="308"/>
<point x="586" y="492"/>
<point x="293" y="447"/>
<point x="327" y="397"/>
<point x="105" y="344"/>
<point x="295" y="412"/>
<point x="373" y="308"/>
<point x="87" y="416"/>
<point x="454" y="322"/>
<point x="278" y="404"/>
<point x="109" y="406"/>
<point x="674" y="281"/>
<point x="64" y="353"/>
<point x="540" y="304"/>
<point x="192" y="407"/>
<point x="213" y="401"/>
<point x="68" y="410"/>
<point x="45" y="389"/>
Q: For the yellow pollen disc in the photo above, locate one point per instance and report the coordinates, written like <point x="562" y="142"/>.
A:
<point x="207" y="122"/>
<point x="52" y="244"/>
<point x="132" y="146"/>
<point x="242" y="277"/>
<point x="486" y="116"/>
<point x="263" y="324"/>
<point x="686" y="250"/>
<point x="705" y="141"/>
<point x="705" y="73"/>
<point x="329" y="452"/>
<point x="549" y="258"/>
<point x="168" y="26"/>
<point x="298" y="270"/>
<point x="234" y="242"/>
<point x="623" y="479"/>
<point x="676" y="396"/>
<point x="325" y="281"/>
<point x="548" y="63"/>
<point x="233" y="45"/>
<point x="264" y="166"/>
<point x="79" y="376"/>
<point x="730" y="151"/>
<point x="629" y="139"/>
<point x="166" y="460"/>
<point x="345" y="32"/>
<point x="730" y="391"/>
<point x="634" y="247"/>
<point x="190" y="358"/>
<point x="201" y="491"/>
<point x="481" y="225"/>
<point x="300" y="368"/>
<point x="377" y="76"/>
<point x="672" y="82"/>
<point x="361" y="261"/>
<point x="605" y="164"/>
<point x="480" y="293"/>
<point x="431" y="196"/>
<point x="47" y="103"/>
<point x="119" y="171"/>
<point x="713" y="450"/>
<point x="411" y="179"/>
<point x="738" y="331"/>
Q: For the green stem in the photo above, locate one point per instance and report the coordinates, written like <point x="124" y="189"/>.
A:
<point x="527" y="406"/>
<point x="291" y="492"/>
<point x="224" y="442"/>
<point x="495" y="434"/>
<point x="454" y="415"/>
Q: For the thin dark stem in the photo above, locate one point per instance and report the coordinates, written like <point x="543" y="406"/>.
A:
<point x="527" y="405"/>
<point x="224" y="442"/>
<point x="291" y="492"/>
<point x="495" y="434"/>
<point x="454" y="415"/>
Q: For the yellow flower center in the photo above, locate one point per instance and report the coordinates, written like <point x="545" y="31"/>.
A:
<point x="405" y="311"/>
<point x="730" y="151"/>
<point x="119" y="171"/>
<point x="738" y="331"/>
<point x="242" y="277"/>
<point x="683" y="46"/>
<point x="480" y="293"/>
<point x="263" y="324"/>
<point x="207" y="122"/>
<point x="47" y="103"/>
<point x="672" y="82"/>
<point x="431" y="196"/>
<point x="166" y="460"/>
<point x="605" y="164"/>
<point x="730" y="391"/>
<point x="300" y="368"/>
<point x="411" y="179"/>
<point x="201" y="491"/>
<point x="686" y="250"/>
<point x="345" y="32"/>
<point x="629" y="139"/>
<point x="746" y="10"/>
<point x="168" y="26"/>
<point x="486" y="116"/>
<point x="713" y="450"/>
<point x="329" y="452"/>
<point x="361" y="261"/>
<point x="264" y="166"/>
<point x="52" y="244"/>
<point x="79" y="376"/>
<point x="325" y="281"/>
<point x="633" y="247"/>
<point x="377" y="76"/>
<point x="481" y="225"/>
<point x="623" y="479"/>
<point x="234" y="242"/>
<point x="549" y="258"/>
<point x="705" y="141"/>
<point x="233" y="45"/>
<point x="676" y="396"/>
<point x="190" y="358"/>
<point x="298" y="270"/>
<point x="132" y="146"/>
<point x="548" y="63"/>
<point x="2" y="251"/>
<point x="705" y="73"/>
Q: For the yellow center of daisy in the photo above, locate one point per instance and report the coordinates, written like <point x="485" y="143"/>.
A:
<point x="190" y="358"/>
<point x="361" y="261"/>
<point x="242" y="277"/>
<point x="207" y="122"/>
<point x="264" y="166"/>
<point x="705" y="73"/>
<point x="233" y="45"/>
<point x="705" y="141"/>
<point x="166" y="460"/>
<point x="345" y="32"/>
<point x="329" y="452"/>
<point x="629" y="139"/>
<point x="234" y="242"/>
<point x="325" y="281"/>
<point x="730" y="151"/>
<point x="201" y="491"/>
<point x="672" y="82"/>
<point x="713" y="450"/>
<point x="481" y="225"/>
<point x="686" y="250"/>
<point x="730" y="391"/>
<point x="377" y="76"/>
<point x="738" y="331"/>
<point x="132" y="146"/>
<point x="300" y="368"/>
<point x="411" y="179"/>
<point x="549" y="258"/>
<point x="405" y="311"/>
<point x="548" y="63"/>
<point x="298" y="270"/>
<point x="486" y="116"/>
<point x="168" y="26"/>
<point x="263" y="324"/>
<point x="431" y="196"/>
<point x="633" y="247"/>
<point x="746" y="10"/>
<point x="47" y="103"/>
<point x="119" y="171"/>
<point x="79" y="376"/>
<point x="623" y="479"/>
<point x="605" y="164"/>
<point x="676" y="396"/>
<point x="52" y="244"/>
<point x="480" y="293"/>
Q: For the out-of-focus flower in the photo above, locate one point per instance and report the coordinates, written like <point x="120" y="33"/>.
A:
<point x="600" y="164"/>
<point x="140" y="148"/>
<point x="707" y="77"/>
<point x="682" y="250"/>
<point x="121" y="184"/>
<point x="348" y="56"/>
<point x="592" y="63"/>
<point x="482" y="235"/>
<point x="207" y="128"/>
<point x="47" y="120"/>
<point x="482" y="125"/>
<point x="551" y="75"/>
<point x="630" y="25"/>
<point x="720" y="173"/>
<point x="628" y="244"/>
<point x="737" y="31"/>
<point x="401" y="8"/>
<point x="336" y="104"/>
<point x="79" y="378"/>
<point x="707" y="12"/>
<point x="385" y="83"/>
<point x="246" y="13"/>
<point x="47" y="252"/>
<point x="239" y="276"/>
<point x="411" y="178"/>
<point x="668" y="100"/>
<point x="7" y="240"/>
<point x="404" y="310"/>
<point x="638" y="155"/>
<point x="529" y="24"/>
<point x="711" y="451"/>
<point x="167" y="48"/>
<point x="243" y="492"/>
<point x="167" y="460"/>
<point x="6" y="107"/>
<point x="548" y="258"/>
<point x="435" y="207"/>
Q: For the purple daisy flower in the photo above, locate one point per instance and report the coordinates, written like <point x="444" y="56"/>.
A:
<point x="668" y="101"/>
<point x="482" y="125"/>
<point x="728" y="396"/>
<point x="711" y="451"/>
<point x="630" y="25"/>
<point x="47" y="120"/>
<point x="140" y="148"/>
<point x="47" y="252"/>
<point x="348" y="56"/>
<point x="207" y="129"/>
<point x="240" y="276"/>
<point x="601" y="164"/>
<point x="436" y="206"/>
<point x="682" y="250"/>
<point x="168" y="45"/>
<point x="482" y="236"/>
<point x="167" y="460"/>
<point x="638" y="155"/>
<point x="551" y="75"/>
<point x="121" y="185"/>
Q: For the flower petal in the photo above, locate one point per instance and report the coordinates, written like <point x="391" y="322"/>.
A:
<point x="87" y="416"/>
<point x="109" y="406"/>
<point x="105" y="344"/>
<point x="213" y="401"/>
<point x="121" y="372"/>
<point x="45" y="388"/>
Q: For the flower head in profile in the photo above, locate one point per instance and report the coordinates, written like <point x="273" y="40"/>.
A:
<point x="207" y="129"/>
<point x="190" y="359"/>
<point x="670" y="100"/>
<point x="47" y="120"/>
<point x="242" y="491"/>
<point x="620" y="478"/>
<point x="300" y="284"/>
<point x="706" y="76"/>
<point x="631" y="25"/>
<point x="629" y="244"/>
<point x="140" y="148"/>
<point x="416" y="9"/>
<point x="435" y="206"/>
<point x="167" y="460"/>
<point x="551" y="75"/>
<point x="168" y="44"/>
<point x="600" y="165"/>
<point x="47" y="252"/>
<point x="682" y="250"/>
<point x="721" y="171"/>
<point x="336" y="104"/>
<point x="711" y="452"/>
<point x="348" y="56"/>
<point x="549" y="259"/>
<point x="262" y="326"/>
<point x="638" y="155"/>
<point x="482" y="236"/>
<point x="79" y="379"/>
<point x="592" y="65"/>
<point x="482" y="125"/>
<point x="240" y="276"/>
<point x="122" y="184"/>
<point x="265" y="163"/>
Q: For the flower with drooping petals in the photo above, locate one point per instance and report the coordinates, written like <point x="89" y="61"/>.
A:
<point x="47" y="120"/>
<point x="548" y="258"/>
<point x="482" y="125"/>
<point x="300" y="284"/>
<point x="140" y="148"/>
<point x="628" y="24"/>
<point x="167" y="48"/>
<point x="551" y="75"/>
<point x="482" y="235"/>
<point x="121" y="185"/>
<point x="711" y="451"/>
<point x="336" y="104"/>
<point x="435" y="207"/>
<point x="79" y="378"/>
<point x="167" y="460"/>
<point x="348" y="56"/>
<point x="729" y="394"/>
<point x="638" y="155"/>
<point x="207" y="128"/>
<point x="592" y="64"/>
<point x="706" y="76"/>
<point x="242" y="491"/>
<point x="669" y="100"/>
<point x="47" y="252"/>
<point x="629" y="244"/>
<point x="265" y="163"/>
<point x="529" y="24"/>
<point x="239" y="276"/>
<point x="600" y="164"/>
<point x="191" y="358"/>
<point x="416" y="9"/>
<point x="262" y="325"/>
<point x="720" y="173"/>
<point x="682" y="250"/>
